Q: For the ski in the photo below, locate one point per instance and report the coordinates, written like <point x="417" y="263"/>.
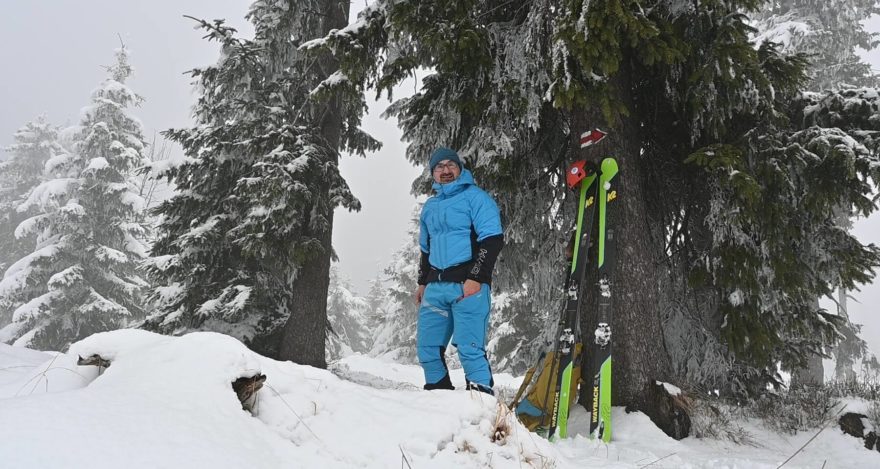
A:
<point x="545" y="395"/>
<point x="600" y="347"/>
<point x="582" y="175"/>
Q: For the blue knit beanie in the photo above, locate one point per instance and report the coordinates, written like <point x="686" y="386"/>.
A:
<point x="444" y="153"/>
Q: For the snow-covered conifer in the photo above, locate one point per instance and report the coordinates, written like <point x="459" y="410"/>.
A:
<point x="377" y="303"/>
<point x="35" y="143"/>
<point x="83" y="275"/>
<point x="244" y="247"/>
<point x="830" y="31"/>
<point x="347" y="313"/>
<point x="395" y="334"/>
<point x="376" y="294"/>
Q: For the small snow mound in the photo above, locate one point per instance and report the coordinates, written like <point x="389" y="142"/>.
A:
<point x="200" y="362"/>
<point x="26" y="372"/>
<point x="869" y="427"/>
<point x="163" y="402"/>
<point x="16" y="362"/>
<point x="19" y="356"/>
<point x="109" y="344"/>
<point x="671" y="389"/>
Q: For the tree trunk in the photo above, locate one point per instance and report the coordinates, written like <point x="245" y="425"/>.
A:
<point x="639" y="355"/>
<point x="844" y="353"/>
<point x="305" y="334"/>
<point x="811" y="375"/>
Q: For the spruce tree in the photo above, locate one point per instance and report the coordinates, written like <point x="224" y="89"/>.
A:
<point x="35" y="143"/>
<point x="848" y="109"/>
<point x="347" y="313"/>
<point x="377" y="301"/>
<point x="727" y="196"/>
<point x="83" y="275"/>
<point x="394" y="337"/>
<point x="831" y="32"/>
<point x="244" y="247"/>
<point x="376" y="294"/>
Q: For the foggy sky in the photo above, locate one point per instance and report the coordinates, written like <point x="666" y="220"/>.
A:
<point x="52" y="57"/>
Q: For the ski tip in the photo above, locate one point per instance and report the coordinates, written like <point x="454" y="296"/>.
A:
<point x="609" y="168"/>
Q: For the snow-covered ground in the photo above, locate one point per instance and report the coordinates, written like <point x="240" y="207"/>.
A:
<point x="167" y="402"/>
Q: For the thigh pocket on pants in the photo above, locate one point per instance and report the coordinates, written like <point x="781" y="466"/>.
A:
<point x="429" y="308"/>
<point x="435" y="326"/>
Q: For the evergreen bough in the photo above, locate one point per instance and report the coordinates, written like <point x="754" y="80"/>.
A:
<point x="738" y="187"/>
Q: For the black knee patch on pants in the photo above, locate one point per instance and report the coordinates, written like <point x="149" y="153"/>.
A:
<point x="445" y="382"/>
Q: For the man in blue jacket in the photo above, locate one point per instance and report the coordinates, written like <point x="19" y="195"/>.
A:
<point x="460" y="238"/>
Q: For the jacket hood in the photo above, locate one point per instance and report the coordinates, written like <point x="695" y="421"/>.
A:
<point x="462" y="182"/>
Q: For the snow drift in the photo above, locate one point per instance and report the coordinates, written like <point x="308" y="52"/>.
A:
<point x="168" y="402"/>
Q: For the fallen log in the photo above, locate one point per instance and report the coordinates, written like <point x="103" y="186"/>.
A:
<point x="246" y="389"/>
<point x="94" y="360"/>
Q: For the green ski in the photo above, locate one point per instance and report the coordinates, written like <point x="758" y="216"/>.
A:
<point x="600" y="347"/>
<point x="582" y="175"/>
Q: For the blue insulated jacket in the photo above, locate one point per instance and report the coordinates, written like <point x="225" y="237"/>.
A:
<point x="459" y="214"/>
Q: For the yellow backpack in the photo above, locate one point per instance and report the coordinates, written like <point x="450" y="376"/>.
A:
<point x="534" y="400"/>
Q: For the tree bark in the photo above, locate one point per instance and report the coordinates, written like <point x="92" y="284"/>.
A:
<point x="305" y="334"/>
<point x="843" y="353"/>
<point x="639" y="355"/>
<point x="811" y="375"/>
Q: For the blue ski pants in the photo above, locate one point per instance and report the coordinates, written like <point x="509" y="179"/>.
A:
<point x="445" y="315"/>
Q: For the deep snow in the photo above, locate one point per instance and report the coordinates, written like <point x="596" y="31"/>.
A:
<point x="168" y="402"/>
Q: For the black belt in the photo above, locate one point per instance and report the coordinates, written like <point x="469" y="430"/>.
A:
<point x="457" y="273"/>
